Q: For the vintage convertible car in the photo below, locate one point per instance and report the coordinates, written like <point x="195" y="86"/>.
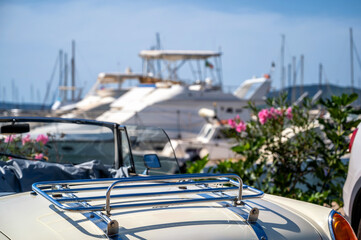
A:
<point x="98" y="180"/>
<point x="352" y="187"/>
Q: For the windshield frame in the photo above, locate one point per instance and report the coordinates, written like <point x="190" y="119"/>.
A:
<point x="114" y="127"/>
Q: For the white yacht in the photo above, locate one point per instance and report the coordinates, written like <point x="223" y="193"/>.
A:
<point x="173" y="103"/>
<point x="107" y="88"/>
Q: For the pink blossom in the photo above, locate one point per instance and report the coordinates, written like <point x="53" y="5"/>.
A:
<point x="10" y="139"/>
<point x="275" y="113"/>
<point x="278" y="112"/>
<point x="26" y="139"/>
<point x="289" y="114"/>
<point x="231" y="123"/>
<point x="42" y="138"/>
<point x="241" y="127"/>
<point x="39" y="156"/>
<point x="272" y="110"/>
<point x="263" y="115"/>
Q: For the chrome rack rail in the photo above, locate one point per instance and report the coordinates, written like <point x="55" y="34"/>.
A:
<point x="62" y="195"/>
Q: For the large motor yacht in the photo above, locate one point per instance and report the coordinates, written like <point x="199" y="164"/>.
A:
<point x="173" y="103"/>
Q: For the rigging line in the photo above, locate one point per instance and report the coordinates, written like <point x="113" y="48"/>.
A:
<point x="91" y="74"/>
<point x="49" y="83"/>
<point x="176" y="68"/>
<point x="192" y="70"/>
<point x="357" y="55"/>
<point x="326" y="81"/>
<point x="79" y="88"/>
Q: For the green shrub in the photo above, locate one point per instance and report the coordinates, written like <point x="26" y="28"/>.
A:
<point x="285" y="151"/>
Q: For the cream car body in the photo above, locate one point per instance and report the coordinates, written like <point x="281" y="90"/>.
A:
<point x="352" y="187"/>
<point x="153" y="206"/>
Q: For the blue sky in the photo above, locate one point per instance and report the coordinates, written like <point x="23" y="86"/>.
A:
<point x="110" y="34"/>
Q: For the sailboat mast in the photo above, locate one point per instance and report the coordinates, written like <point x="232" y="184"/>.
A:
<point x="60" y="71"/>
<point x="294" y="79"/>
<point x="351" y="56"/>
<point x="320" y="77"/>
<point x="159" y="74"/>
<point x="283" y="63"/>
<point x="73" y="72"/>
<point x="302" y="72"/>
<point x="65" y="96"/>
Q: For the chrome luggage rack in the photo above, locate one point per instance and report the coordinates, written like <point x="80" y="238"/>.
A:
<point x="62" y="194"/>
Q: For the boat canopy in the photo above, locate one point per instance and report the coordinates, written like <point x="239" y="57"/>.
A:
<point x="176" y="55"/>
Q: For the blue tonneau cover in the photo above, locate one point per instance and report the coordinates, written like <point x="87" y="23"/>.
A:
<point x="18" y="175"/>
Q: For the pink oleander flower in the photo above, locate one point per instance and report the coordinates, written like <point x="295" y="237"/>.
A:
<point x="278" y="112"/>
<point x="275" y="113"/>
<point x="272" y="110"/>
<point x="39" y="156"/>
<point x="289" y="114"/>
<point x="237" y="124"/>
<point x="42" y="138"/>
<point x="9" y="139"/>
<point x="26" y="139"/>
<point x="241" y="127"/>
<point x="263" y="115"/>
<point x="231" y="123"/>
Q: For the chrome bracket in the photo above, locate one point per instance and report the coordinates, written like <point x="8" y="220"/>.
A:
<point x="253" y="215"/>
<point x="112" y="228"/>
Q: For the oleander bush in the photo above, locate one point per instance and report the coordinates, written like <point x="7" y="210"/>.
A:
<point x="24" y="147"/>
<point x="284" y="150"/>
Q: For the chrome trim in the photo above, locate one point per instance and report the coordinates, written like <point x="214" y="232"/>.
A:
<point x="237" y="200"/>
<point x="152" y="194"/>
<point x="108" y="226"/>
<point x="61" y="120"/>
<point x="330" y="219"/>
<point x="62" y="196"/>
<point x="143" y="186"/>
<point x="45" y="189"/>
<point x="257" y="228"/>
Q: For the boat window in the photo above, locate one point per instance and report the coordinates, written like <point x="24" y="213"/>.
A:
<point x="208" y="133"/>
<point x="252" y="90"/>
<point x="68" y="143"/>
<point x="239" y="110"/>
<point x="229" y="110"/>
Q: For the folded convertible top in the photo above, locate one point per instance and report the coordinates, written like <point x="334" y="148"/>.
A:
<point x="18" y="175"/>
